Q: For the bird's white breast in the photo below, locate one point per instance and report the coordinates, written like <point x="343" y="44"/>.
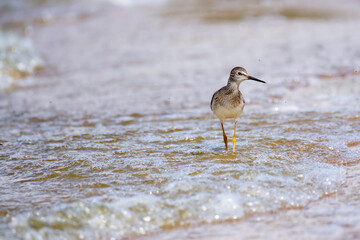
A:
<point x="223" y="112"/>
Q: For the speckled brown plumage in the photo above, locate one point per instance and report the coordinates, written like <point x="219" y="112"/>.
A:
<point x="228" y="102"/>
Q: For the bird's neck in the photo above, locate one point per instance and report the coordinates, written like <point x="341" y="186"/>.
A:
<point x="234" y="86"/>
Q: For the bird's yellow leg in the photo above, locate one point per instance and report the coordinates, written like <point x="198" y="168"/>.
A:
<point x="234" y="138"/>
<point x="225" y="138"/>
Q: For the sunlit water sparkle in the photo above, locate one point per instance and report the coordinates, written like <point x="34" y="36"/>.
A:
<point x="122" y="178"/>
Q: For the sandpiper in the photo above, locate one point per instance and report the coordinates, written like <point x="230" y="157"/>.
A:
<point x="228" y="102"/>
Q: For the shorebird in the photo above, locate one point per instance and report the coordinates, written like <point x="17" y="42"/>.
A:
<point x="228" y="102"/>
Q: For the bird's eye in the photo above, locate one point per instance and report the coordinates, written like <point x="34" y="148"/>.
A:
<point x="239" y="73"/>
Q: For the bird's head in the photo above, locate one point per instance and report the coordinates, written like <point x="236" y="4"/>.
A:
<point x="239" y="74"/>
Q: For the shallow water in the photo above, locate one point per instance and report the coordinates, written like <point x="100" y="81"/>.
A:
<point x="18" y="59"/>
<point x="129" y="175"/>
<point x="114" y="137"/>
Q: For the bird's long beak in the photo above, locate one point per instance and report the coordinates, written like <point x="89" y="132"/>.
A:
<point x="255" y="79"/>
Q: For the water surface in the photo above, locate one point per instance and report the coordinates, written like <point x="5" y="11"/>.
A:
<point x="113" y="137"/>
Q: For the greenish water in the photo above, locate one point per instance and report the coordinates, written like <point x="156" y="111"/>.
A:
<point x="113" y="138"/>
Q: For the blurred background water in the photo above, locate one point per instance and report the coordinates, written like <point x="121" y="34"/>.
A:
<point x="106" y="130"/>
